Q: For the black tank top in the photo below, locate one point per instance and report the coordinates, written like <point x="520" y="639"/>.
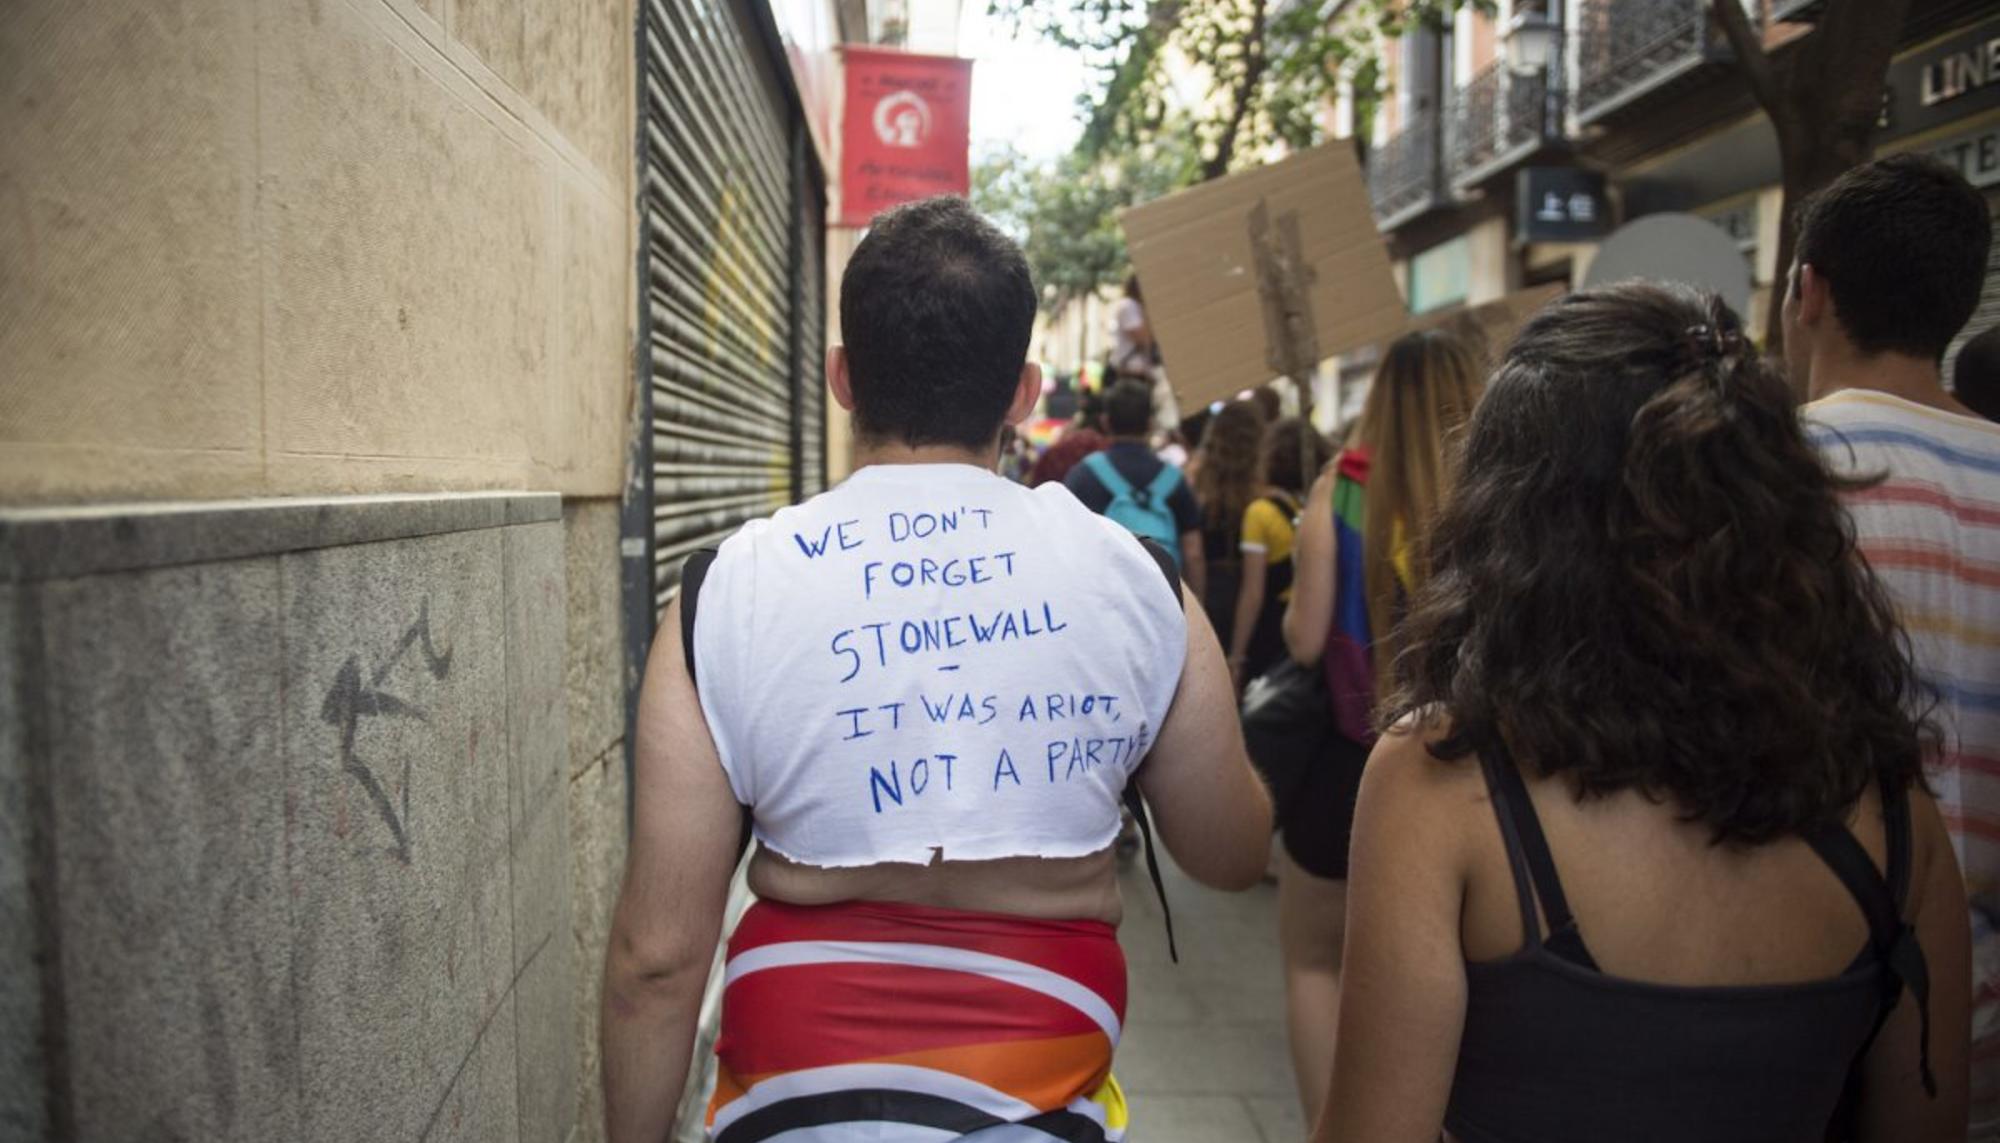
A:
<point x="1555" y="1051"/>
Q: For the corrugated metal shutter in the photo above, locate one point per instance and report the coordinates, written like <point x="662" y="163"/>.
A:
<point x="812" y="343"/>
<point x="1988" y="314"/>
<point x="721" y="226"/>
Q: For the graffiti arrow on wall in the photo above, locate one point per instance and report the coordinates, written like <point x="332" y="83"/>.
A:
<point x="350" y="700"/>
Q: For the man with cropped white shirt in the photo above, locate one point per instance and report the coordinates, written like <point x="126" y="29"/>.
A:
<point x="926" y="691"/>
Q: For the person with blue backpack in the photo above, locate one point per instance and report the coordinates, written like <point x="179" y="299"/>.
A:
<point x="1129" y="484"/>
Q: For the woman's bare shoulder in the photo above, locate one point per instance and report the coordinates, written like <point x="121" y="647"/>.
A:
<point x="1406" y="764"/>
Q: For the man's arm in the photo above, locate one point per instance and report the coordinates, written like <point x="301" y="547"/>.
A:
<point x="685" y="828"/>
<point x="1213" y="812"/>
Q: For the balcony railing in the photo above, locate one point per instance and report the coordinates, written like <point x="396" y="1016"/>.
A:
<point x="1629" y="48"/>
<point x="1403" y="172"/>
<point x="1500" y="118"/>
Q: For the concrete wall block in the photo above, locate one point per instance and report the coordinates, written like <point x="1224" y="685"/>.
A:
<point x="128" y="274"/>
<point x="23" y="1063"/>
<point x="496" y="30"/>
<point x="163" y="694"/>
<point x="537" y="653"/>
<point x="583" y="75"/>
<point x="480" y="1105"/>
<point x="585" y="413"/>
<point x="546" y="1043"/>
<point x="597" y="857"/>
<point x="594" y="672"/>
<point x="538" y="750"/>
<point x="396" y="722"/>
<point x="409" y="254"/>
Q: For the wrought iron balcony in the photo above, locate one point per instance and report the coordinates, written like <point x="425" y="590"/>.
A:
<point x="1404" y="173"/>
<point x="1499" y="119"/>
<point x="1629" y="49"/>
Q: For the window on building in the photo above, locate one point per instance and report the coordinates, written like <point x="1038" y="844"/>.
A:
<point x="1441" y="276"/>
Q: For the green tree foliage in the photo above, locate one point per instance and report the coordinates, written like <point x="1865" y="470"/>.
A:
<point x="1065" y="213"/>
<point x="1233" y="77"/>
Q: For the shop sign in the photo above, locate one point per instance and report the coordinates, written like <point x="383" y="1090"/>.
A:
<point x="1944" y="83"/>
<point x="1975" y="154"/>
<point x="906" y="130"/>
<point x="1560" y="204"/>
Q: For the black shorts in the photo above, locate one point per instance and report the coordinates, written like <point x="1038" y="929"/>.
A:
<point x="1315" y="810"/>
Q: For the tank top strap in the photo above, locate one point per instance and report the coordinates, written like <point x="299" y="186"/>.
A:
<point x="1528" y="852"/>
<point x="1881" y="896"/>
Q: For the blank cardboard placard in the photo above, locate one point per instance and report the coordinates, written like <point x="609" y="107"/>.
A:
<point x="1219" y="322"/>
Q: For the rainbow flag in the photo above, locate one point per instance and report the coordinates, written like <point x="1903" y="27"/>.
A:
<point x="1350" y="672"/>
<point x="874" y="1020"/>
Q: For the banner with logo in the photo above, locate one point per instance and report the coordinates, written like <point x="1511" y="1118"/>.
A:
<point x="906" y="131"/>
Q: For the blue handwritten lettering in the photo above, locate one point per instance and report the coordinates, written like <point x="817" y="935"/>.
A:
<point x="878" y="787"/>
<point x="854" y="715"/>
<point x="947" y="759"/>
<point x="983" y="634"/>
<point x="1028" y="713"/>
<point x="881" y="648"/>
<point x="1005" y="769"/>
<point x="840" y="530"/>
<point x="937" y="713"/>
<point x="813" y="550"/>
<point x="920" y="776"/>
<point x="840" y="650"/>
<point x="895" y="710"/>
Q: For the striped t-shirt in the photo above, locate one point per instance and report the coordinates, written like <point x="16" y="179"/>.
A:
<point x="1931" y="532"/>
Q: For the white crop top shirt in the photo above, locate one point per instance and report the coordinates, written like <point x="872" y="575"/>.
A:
<point x="933" y="661"/>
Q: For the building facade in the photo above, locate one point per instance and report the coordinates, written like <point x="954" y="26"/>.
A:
<point x="1510" y="146"/>
<point x="369" y="365"/>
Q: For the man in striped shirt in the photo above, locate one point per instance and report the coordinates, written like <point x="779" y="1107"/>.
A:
<point x="1891" y="259"/>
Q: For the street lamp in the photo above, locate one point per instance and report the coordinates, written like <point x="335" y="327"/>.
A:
<point x="1532" y="42"/>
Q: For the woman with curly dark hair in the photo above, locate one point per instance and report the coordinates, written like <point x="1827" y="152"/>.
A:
<point x="1647" y="853"/>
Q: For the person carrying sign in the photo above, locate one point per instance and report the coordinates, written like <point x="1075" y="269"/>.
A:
<point x="925" y="692"/>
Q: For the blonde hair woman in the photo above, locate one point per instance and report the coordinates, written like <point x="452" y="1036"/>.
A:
<point x="1363" y="522"/>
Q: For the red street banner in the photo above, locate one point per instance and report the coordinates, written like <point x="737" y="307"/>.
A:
<point x="906" y="133"/>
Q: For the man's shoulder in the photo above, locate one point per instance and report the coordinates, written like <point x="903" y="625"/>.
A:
<point x="1863" y="429"/>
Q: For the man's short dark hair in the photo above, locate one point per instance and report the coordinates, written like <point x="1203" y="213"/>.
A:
<point x="1128" y="408"/>
<point x="1975" y="374"/>
<point x="1902" y="244"/>
<point x="936" y="310"/>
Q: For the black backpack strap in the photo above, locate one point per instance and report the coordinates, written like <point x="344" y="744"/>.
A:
<point x="693" y="572"/>
<point x="1881" y="900"/>
<point x="1136" y="803"/>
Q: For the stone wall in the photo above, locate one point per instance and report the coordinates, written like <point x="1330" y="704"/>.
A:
<point x="314" y="246"/>
<point x="319" y="804"/>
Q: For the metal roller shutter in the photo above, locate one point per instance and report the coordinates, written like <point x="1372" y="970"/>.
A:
<point x="725" y="202"/>
<point x="812" y="346"/>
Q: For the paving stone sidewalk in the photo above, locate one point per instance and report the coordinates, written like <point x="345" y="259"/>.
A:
<point x="1203" y="1058"/>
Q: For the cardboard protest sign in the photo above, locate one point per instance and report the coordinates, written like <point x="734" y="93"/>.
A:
<point x="1264" y="273"/>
